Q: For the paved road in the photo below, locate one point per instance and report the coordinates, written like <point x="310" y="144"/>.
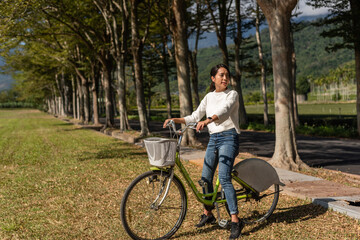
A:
<point x="329" y="153"/>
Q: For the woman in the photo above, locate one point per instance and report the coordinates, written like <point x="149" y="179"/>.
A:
<point x="221" y="107"/>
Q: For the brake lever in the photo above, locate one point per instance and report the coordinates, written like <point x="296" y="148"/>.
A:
<point x="193" y="126"/>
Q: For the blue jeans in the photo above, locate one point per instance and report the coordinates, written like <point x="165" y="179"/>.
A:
<point x="226" y="145"/>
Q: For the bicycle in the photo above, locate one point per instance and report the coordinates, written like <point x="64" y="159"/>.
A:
<point x="155" y="204"/>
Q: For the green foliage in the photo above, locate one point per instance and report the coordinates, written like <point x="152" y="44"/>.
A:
<point x="344" y="73"/>
<point x="340" y="26"/>
<point x="258" y="126"/>
<point x="17" y="105"/>
<point x="10" y="99"/>
<point x="302" y="85"/>
<point x="312" y="58"/>
<point x="253" y="97"/>
<point x="336" y="97"/>
<point x="327" y="131"/>
<point x="8" y="96"/>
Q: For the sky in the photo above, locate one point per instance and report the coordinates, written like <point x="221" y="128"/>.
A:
<point x="309" y="11"/>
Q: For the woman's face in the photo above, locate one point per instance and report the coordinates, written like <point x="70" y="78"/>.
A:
<point x="221" y="79"/>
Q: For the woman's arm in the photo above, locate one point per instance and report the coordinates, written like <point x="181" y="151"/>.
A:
<point x="176" y="120"/>
<point x="194" y="117"/>
<point x="224" y="111"/>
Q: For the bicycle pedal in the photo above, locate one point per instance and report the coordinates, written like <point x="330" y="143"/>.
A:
<point x="223" y="223"/>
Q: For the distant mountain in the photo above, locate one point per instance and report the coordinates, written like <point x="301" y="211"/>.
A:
<point x="209" y="39"/>
<point x="6" y="81"/>
<point x="312" y="58"/>
<point x="309" y="18"/>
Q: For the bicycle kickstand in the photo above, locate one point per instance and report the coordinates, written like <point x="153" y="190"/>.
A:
<point x="222" y="222"/>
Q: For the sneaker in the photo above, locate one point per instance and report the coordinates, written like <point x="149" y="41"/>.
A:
<point x="206" y="220"/>
<point x="236" y="228"/>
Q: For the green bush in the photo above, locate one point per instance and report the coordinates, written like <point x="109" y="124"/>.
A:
<point x="270" y="96"/>
<point x="336" y="97"/>
<point x="259" y="127"/>
<point x="17" y="105"/>
<point x="327" y="131"/>
<point x="253" y="97"/>
<point x="302" y="85"/>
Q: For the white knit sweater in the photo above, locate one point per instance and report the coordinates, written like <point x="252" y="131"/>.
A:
<point x="223" y="104"/>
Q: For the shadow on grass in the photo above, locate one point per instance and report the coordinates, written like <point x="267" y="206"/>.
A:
<point x="79" y="128"/>
<point x="282" y="215"/>
<point x="62" y="124"/>
<point x="122" y="150"/>
<point x="291" y="215"/>
<point x="195" y="231"/>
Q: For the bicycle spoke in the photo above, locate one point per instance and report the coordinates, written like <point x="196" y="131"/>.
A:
<point x="141" y="220"/>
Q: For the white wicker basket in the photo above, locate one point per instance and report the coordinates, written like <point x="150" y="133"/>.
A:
<point x="161" y="151"/>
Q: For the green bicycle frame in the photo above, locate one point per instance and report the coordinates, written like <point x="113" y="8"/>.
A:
<point x="201" y="197"/>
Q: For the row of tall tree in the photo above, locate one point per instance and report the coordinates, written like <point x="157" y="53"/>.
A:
<point x="79" y="54"/>
<point x="84" y="51"/>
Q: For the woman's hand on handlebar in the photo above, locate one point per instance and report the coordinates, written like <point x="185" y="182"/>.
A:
<point x="166" y="122"/>
<point x="176" y="120"/>
<point x="200" y="125"/>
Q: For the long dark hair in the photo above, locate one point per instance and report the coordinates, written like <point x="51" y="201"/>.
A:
<point x="214" y="71"/>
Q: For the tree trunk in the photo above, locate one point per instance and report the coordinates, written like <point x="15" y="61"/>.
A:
<point x="121" y="53"/>
<point x="221" y="27"/>
<point x="194" y="70"/>
<point x="78" y="97"/>
<point x="65" y="88"/>
<point x="293" y="74"/>
<point x="194" y="76"/>
<point x="237" y="81"/>
<point x="166" y="77"/>
<point x="113" y="94"/>
<point x="137" y="48"/>
<point x="118" y="48"/>
<point x="85" y="95"/>
<point x="60" y="88"/>
<point x="124" y="124"/>
<point x="278" y="15"/>
<point x="81" y="115"/>
<point x="74" y="97"/>
<point x="223" y="31"/>
<point x="182" y="66"/>
<point x="109" y="111"/>
<point x="95" y="91"/>
<point x="355" y="11"/>
<point x="357" y="66"/>
<point x="86" y="99"/>
<point x="263" y="67"/>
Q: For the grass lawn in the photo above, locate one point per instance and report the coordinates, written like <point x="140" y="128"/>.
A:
<point x="311" y="109"/>
<point x="58" y="181"/>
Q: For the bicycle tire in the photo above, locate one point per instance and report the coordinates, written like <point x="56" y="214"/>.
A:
<point x="140" y="220"/>
<point x="259" y="208"/>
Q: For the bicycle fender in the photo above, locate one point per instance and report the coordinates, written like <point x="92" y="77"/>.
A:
<point x="156" y="169"/>
<point x="257" y="173"/>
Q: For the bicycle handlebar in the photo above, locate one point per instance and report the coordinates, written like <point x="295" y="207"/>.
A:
<point x="171" y="125"/>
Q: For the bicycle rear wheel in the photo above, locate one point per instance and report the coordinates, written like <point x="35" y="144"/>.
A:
<point x="258" y="208"/>
<point x="141" y="216"/>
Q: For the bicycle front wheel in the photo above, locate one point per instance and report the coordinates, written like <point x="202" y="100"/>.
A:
<point x="141" y="214"/>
